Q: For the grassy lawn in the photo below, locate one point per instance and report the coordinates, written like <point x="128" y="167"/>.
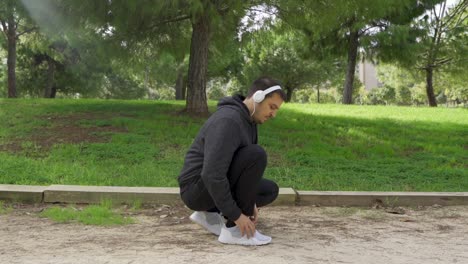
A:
<point x="310" y="147"/>
<point x="5" y="209"/>
<point x="102" y="214"/>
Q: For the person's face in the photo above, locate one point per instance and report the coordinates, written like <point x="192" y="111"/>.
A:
<point x="267" y="108"/>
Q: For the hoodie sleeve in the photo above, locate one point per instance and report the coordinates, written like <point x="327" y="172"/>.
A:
<point x="221" y="141"/>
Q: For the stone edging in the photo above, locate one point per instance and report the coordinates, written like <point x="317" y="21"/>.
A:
<point x="159" y="195"/>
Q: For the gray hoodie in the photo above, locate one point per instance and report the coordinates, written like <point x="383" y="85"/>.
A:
<point x="211" y="153"/>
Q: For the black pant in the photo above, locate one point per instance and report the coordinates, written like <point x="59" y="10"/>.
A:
<point x="246" y="182"/>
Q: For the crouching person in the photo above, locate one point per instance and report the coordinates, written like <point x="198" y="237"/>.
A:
<point x="221" y="179"/>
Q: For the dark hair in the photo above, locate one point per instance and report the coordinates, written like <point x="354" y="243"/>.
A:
<point x="263" y="83"/>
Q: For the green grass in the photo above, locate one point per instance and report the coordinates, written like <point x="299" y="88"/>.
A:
<point x="136" y="205"/>
<point x="5" y="209"/>
<point x="310" y="147"/>
<point x="102" y="215"/>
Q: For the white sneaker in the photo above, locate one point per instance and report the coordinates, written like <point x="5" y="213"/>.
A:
<point x="261" y="236"/>
<point x="213" y="222"/>
<point x="232" y="235"/>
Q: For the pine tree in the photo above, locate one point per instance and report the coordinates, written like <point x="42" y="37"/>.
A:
<point x="160" y="24"/>
<point x="445" y="42"/>
<point x="344" y="27"/>
<point x="14" y="23"/>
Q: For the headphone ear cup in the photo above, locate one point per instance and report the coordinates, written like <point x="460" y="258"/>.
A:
<point x="258" y="96"/>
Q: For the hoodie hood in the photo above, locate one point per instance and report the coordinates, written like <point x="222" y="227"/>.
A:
<point x="236" y="102"/>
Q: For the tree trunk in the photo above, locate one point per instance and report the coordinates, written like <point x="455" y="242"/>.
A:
<point x="180" y="85"/>
<point x="54" y="92"/>
<point x="318" y="94"/>
<point x="430" y="88"/>
<point x="147" y="73"/>
<point x="198" y="64"/>
<point x="11" y="59"/>
<point x="289" y="92"/>
<point x="184" y="86"/>
<point x="50" y="79"/>
<point x="351" y="67"/>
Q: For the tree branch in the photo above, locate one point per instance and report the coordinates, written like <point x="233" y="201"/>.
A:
<point x="435" y="14"/>
<point x="439" y="32"/>
<point x="442" y="9"/>
<point x="455" y="12"/>
<point x="170" y="20"/>
<point x="460" y="20"/>
<point x="443" y="60"/>
<point x="379" y="24"/>
<point x="26" y="31"/>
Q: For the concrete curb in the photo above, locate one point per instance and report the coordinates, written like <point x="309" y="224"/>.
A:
<point x="95" y="194"/>
<point x="22" y="193"/>
<point x="118" y="195"/>
<point x="382" y="198"/>
<point x="286" y="196"/>
<point x="158" y="195"/>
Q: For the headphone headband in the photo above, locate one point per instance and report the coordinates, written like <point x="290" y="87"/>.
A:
<point x="271" y="89"/>
<point x="259" y="95"/>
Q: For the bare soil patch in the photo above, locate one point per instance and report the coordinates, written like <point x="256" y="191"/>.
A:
<point x="66" y="129"/>
<point x="163" y="234"/>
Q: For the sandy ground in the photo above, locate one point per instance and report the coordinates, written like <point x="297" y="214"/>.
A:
<point x="300" y="235"/>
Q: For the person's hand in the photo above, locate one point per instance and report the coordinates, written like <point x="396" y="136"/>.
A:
<point x="254" y="217"/>
<point x="246" y="226"/>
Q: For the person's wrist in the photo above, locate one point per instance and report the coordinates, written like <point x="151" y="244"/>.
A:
<point x="239" y="218"/>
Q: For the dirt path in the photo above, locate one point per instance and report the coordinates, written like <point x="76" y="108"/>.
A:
<point x="300" y="235"/>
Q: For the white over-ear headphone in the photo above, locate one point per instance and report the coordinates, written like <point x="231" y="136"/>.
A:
<point x="259" y="96"/>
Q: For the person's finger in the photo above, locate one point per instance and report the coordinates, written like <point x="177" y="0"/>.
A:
<point x="242" y="229"/>
<point x="254" y="219"/>
<point x="251" y="230"/>
<point x="247" y="232"/>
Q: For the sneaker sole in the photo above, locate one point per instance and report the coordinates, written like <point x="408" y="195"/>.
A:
<point x="245" y="243"/>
